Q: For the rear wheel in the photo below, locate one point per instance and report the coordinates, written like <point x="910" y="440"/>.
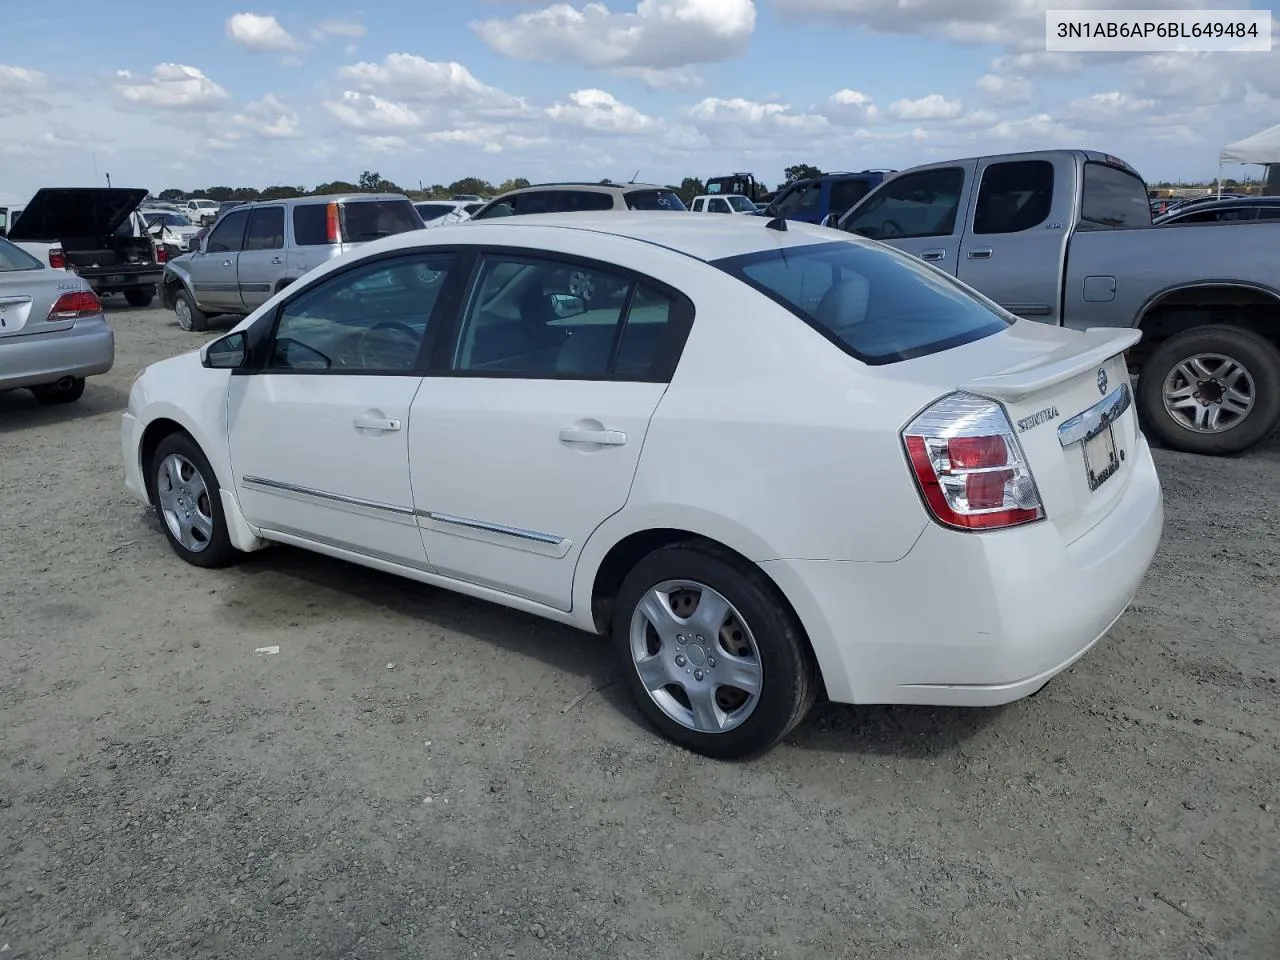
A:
<point x="188" y="502"/>
<point x="64" y="391"/>
<point x="140" y="296"/>
<point x="189" y="316"/>
<point x="1211" y="390"/>
<point x="713" y="656"/>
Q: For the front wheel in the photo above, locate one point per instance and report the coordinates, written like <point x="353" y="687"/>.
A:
<point x="713" y="656"/>
<point x="190" y="317"/>
<point x="189" y="503"/>
<point x="1211" y="390"/>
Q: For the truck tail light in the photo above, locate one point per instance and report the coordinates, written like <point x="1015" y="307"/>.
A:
<point x="57" y="259"/>
<point x="969" y="466"/>
<point x="75" y="306"/>
<point x="162" y="255"/>
<point x="333" y="229"/>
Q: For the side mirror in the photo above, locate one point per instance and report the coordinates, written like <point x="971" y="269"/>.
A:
<point x="831" y="220"/>
<point x="567" y="305"/>
<point x="227" y="353"/>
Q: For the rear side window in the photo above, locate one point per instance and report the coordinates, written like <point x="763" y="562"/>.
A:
<point x="373" y="219"/>
<point x="921" y="204"/>
<point x="15" y="258"/>
<point x="1014" y="196"/>
<point x="1113" y="198"/>
<point x="878" y="304"/>
<point x="309" y="225"/>
<point x="654" y="200"/>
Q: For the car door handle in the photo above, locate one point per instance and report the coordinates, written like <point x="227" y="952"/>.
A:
<point x="933" y="255"/>
<point x="983" y="254"/>
<point x="383" y="424"/>
<point x="277" y="260"/>
<point x="608" y="438"/>
<point x="226" y="263"/>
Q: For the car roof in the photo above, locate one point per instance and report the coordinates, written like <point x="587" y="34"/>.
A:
<point x="1216" y="204"/>
<point x="700" y="237"/>
<point x="585" y="186"/>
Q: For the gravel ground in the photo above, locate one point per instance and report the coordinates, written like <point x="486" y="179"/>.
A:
<point x="420" y="775"/>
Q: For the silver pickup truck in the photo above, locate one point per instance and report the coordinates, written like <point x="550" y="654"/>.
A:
<point x="1065" y="237"/>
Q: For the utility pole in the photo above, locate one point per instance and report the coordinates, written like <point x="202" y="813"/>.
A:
<point x="108" y="181"/>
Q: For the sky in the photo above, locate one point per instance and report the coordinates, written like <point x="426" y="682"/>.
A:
<point x="301" y="92"/>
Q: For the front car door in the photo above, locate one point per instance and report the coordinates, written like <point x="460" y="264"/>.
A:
<point x="319" y="434"/>
<point x="1015" y="248"/>
<point x="260" y="265"/>
<point x="528" y="434"/>
<point x="213" y="270"/>
<point x="919" y="212"/>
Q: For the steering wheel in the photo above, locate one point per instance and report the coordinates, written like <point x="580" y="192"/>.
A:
<point x="397" y="349"/>
<point x="890" y="228"/>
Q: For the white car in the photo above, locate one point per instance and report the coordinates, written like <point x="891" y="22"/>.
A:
<point x="768" y="462"/>
<point x="723" y="203"/>
<point x="437" y="213"/>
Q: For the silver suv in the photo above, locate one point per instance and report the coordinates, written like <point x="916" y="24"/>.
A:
<point x="256" y="249"/>
<point x="574" y="197"/>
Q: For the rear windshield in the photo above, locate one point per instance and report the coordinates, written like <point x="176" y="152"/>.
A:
<point x="434" y="211"/>
<point x="1113" y="198"/>
<point x="361" y="220"/>
<point x="654" y="200"/>
<point x="878" y="304"/>
<point x="15" y="258"/>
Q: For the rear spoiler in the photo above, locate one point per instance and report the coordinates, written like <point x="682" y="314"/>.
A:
<point x="1102" y="344"/>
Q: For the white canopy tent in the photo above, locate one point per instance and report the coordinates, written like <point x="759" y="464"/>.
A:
<point x="1262" y="148"/>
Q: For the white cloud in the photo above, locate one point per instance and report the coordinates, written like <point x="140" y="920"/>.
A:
<point x="851" y="107"/>
<point x="20" y="79"/>
<point x="361" y="111"/>
<point x="659" y="34"/>
<point x="411" y="79"/>
<point x="391" y="144"/>
<point x="269" y="118"/>
<point x="747" y="114"/>
<point x="599" y="111"/>
<point x="1109" y="109"/>
<point x="337" y="27"/>
<point x="1005" y="89"/>
<point x="171" y="86"/>
<point x="260" y="33"/>
<point x="673" y="78"/>
<point x="932" y="107"/>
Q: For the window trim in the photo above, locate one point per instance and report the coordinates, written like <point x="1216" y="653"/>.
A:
<point x="679" y="323"/>
<point x="243" y="230"/>
<point x="261" y="334"/>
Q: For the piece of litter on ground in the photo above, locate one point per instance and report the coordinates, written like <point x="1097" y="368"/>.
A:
<point x="267" y="651"/>
<point x="391" y="666"/>
<point x="426" y="799"/>
<point x="426" y="743"/>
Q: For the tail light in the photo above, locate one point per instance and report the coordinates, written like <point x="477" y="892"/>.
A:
<point x="57" y="259"/>
<point x="162" y="255"/>
<point x="332" y="229"/>
<point x="75" y="306"/>
<point x="969" y="465"/>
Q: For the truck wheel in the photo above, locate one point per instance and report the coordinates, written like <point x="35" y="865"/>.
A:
<point x="140" y="296"/>
<point x="66" y="390"/>
<point x="190" y="317"/>
<point x="1211" y="390"/>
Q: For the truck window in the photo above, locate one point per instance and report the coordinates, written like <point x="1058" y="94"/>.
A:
<point x="266" y="229"/>
<point x="1113" y="198"/>
<point x="845" y="193"/>
<point x="799" y="198"/>
<point x="1269" y="213"/>
<point x="1014" y="196"/>
<point x="921" y="204"/>
<point x="228" y="235"/>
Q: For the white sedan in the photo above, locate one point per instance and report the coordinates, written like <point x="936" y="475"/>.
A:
<point x="767" y="459"/>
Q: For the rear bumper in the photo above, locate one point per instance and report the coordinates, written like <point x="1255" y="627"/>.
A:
<point x="31" y="359"/>
<point x="115" y="282"/>
<point x="975" y="619"/>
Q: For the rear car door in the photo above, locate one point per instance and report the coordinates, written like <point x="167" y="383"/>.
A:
<point x="918" y="212"/>
<point x="213" y="271"/>
<point x="1015" y="247"/>
<point x="260" y="265"/>
<point x="319" y="435"/>
<point x="528" y="434"/>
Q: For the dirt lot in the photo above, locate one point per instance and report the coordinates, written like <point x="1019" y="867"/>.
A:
<point x="414" y="774"/>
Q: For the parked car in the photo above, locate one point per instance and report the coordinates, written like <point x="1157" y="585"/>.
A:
<point x="436" y="213"/>
<point x="100" y="236"/>
<point x="201" y="211"/>
<point x="579" y="197"/>
<point x="173" y="230"/>
<point x="53" y="333"/>
<point x="743" y="184"/>
<point x="812" y="200"/>
<point x="1232" y="210"/>
<point x="726" y="203"/>
<point x="259" y="248"/>
<point x="739" y="506"/>
<point x="1064" y="237"/>
<point x="1184" y="202"/>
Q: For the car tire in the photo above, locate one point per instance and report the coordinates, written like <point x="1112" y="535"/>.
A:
<point x="190" y="317"/>
<point x="672" y="670"/>
<point x="54" y="393"/>
<point x="1234" y="369"/>
<point x="139" y="296"/>
<point x="188" y="503"/>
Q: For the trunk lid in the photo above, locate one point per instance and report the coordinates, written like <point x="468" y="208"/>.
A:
<point x="27" y="296"/>
<point x="58" y="212"/>
<point x="1068" y="396"/>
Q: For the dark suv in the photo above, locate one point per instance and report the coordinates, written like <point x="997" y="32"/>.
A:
<point x="812" y="200"/>
<point x="576" y="197"/>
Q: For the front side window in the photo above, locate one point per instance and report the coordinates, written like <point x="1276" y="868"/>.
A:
<point x="545" y="319"/>
<point x="228" y="236"/>
<point x="370" y="319"/>
<point x="1014" y="196"/>
<point x="741" y="204"/>
<point x="699" y="204"/>
<point x="433" y="211"/>
<point x="923" y="204"/>
<point x="878" y="304"/>
<point x="1113" y="198"/>
<point x="719" y="205"/>
<point x="1269" y="213"/>
<point x="266" y="229"/>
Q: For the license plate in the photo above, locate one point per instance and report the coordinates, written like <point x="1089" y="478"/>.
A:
<point x="117" y="278"/>
<point x="1101" y="457"/>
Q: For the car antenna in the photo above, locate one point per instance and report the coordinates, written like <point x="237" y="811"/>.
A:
<point x="777" y="223"/>
<point x="634" y="175"/>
